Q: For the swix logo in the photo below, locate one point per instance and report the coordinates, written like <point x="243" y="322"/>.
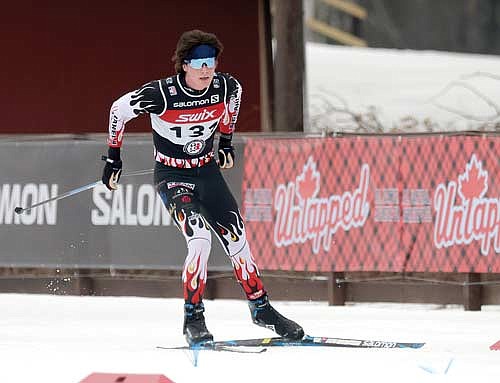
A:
<point x="303" y="216"/>
<point x="205" y="115"/>
<point x="472" y="217"/>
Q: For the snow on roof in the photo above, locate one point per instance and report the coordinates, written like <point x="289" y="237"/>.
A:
<point x="387" y="90"/>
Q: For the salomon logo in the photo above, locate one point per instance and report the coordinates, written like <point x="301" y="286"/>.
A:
<point x="26" y="195"/>
<point x="128" y="206"/>
<point x="191" y="103"/>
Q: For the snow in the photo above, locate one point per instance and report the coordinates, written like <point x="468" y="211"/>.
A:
<point x="404" y="90"/>
<point x="63" y="339"/>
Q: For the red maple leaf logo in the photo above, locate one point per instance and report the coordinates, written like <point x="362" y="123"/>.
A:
<point x="308" y="182"/>
<point x="474" y="181"/>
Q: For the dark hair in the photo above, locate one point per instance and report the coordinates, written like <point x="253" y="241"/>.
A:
<point x="190" y="39"/>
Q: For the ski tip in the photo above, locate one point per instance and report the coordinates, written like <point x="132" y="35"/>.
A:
<point x="412" y="345"/>
<point x="362" y="343"/>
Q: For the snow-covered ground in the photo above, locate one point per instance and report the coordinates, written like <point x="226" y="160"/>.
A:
<point x="400" y="90"/>
<point x="62" y="339"/>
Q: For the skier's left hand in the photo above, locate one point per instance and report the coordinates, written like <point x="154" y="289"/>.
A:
<point x="226" y="153"/>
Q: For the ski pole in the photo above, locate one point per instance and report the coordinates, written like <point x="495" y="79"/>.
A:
<point x="80" y="189"/>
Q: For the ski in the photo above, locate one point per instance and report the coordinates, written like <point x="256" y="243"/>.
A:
<point x="317" y="341"/>
<point x="211" y="346"/>
<point x="225" y="345"/>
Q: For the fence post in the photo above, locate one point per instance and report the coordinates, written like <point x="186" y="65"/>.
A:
<point x="84" y="284"/>
<point x="472" y="292"/>
<point x="336" y="291"/>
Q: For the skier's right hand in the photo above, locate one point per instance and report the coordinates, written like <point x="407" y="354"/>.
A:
<point x="113" y="169"/>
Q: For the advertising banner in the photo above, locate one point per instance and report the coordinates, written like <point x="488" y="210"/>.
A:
<point x="458" y="178"/>
<point x="127" y="228"/>
<point x="382" y="203"/>
<point x="374" y="203"/>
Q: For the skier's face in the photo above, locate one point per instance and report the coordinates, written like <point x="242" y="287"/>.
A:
<point x="199" y="72"/>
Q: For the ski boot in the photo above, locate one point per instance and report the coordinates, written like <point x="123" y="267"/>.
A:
<point x="264" y="315"/>
<point x="195" y="329"/>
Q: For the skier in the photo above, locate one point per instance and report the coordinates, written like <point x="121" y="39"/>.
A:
<point x="186" y="110"/>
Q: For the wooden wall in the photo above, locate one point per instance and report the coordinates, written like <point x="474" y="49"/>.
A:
<point x="64" y="62"/>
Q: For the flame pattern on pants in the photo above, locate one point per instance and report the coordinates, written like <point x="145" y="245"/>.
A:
<point x="197" y="233"/>
<point x="198" y="204"/>
<point x="233" y="238"/>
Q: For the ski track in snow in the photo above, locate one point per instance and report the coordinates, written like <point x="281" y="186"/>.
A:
<point x="63" y="339"/>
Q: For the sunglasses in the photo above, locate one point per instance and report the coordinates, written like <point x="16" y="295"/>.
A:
<point x="198" y="63"/>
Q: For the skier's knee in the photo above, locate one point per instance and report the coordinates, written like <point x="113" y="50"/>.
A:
<point x="197" y="228"/>
<point x="199" y="245"/>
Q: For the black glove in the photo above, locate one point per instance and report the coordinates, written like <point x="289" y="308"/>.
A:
<point x="113" y="169"/>
<point x="226" y="153"/>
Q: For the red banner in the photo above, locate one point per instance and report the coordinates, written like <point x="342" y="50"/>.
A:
<point x="374" y="203"/>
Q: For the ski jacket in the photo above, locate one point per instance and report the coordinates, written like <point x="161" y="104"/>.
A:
<point x="184" y="121"/>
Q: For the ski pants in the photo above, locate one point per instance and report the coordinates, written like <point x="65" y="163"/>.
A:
<point x="199" y="201"/>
